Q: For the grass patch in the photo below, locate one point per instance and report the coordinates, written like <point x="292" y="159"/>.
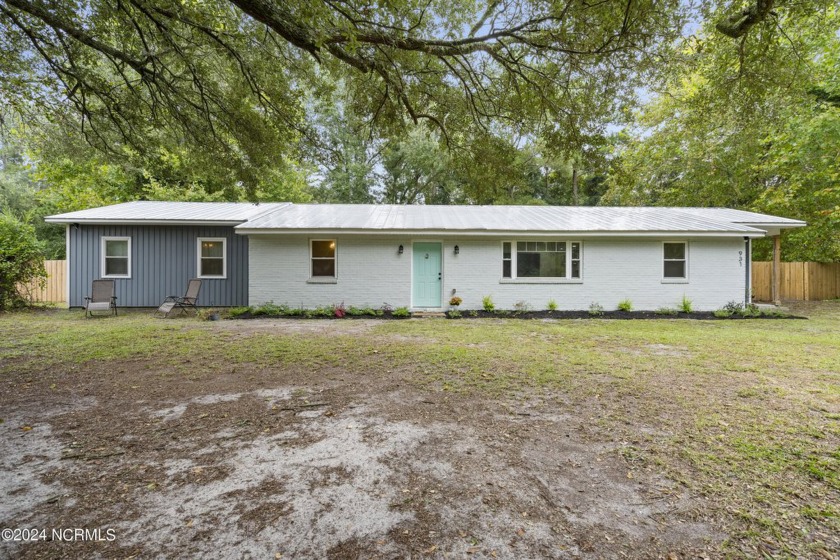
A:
<point x="743" y="413"/>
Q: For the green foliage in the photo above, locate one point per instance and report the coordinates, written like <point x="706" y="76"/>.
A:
<point x="269" y="308"/>
<point x="21" y="259"/>
<point x="596" y="309"/>
<point x="722" y="313"/>
<point x="453" y="314"/>
<point x="666" y="311"/>
<point x="625" y="305"/>
<point x="552" y="305"/>
<point x="685" y="305"/>
<point x="487" y="303"/>
<point x="401" y="312"/>
<point x="238" y="311"/>
<point x="751" y="310"/>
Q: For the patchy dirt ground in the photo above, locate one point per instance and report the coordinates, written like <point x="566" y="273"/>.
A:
<point x="281" y="463"/>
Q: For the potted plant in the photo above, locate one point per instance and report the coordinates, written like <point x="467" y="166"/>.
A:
<point x="455" y="301"/>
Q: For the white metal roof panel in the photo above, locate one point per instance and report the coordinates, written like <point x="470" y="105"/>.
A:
<point x="741" y="216"/>
<point x="384" y="217"/>
<point x="143" y="211"/>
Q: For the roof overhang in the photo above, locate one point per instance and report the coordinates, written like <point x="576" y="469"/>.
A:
<point x="101" y="222"/>
<point x="747" y="232"/>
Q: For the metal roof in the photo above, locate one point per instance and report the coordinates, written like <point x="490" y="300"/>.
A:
<point x="501" y="219"/>
<point x="159" y="212"/>
<point x="425" y="219"/>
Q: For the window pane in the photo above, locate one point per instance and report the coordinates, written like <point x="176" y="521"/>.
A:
<point x="116" y="266"/>
<point x="506" y="269"/>
<point x="527" y="265"/>
<point x="323" y="248"/>
<point x="532" y="245"/>
<point x="212" y="267"/>
<point x="323" y="267"/>
<point x="116" y="248"/>
<point x="561" y="245"/>
<point x="575" y="269"/>
<point x="674" y="269"/>
<point x="521" y="246"/>
<point x="505" y="250"/>
<point x="575" y="251"/>
<point x="212" y="249"/>
<point x="551" y="246"/>
<point x="553" y="265"/>
<point x="674" y="250"/>
<point x="540" y="245"/>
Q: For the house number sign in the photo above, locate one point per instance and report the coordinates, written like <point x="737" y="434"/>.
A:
<point x="740" y="258"/>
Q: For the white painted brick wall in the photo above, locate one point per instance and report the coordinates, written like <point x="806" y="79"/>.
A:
<point x="370" y="273"/>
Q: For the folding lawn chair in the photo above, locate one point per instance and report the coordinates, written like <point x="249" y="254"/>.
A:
<point x="102" y="297"/>
<point x="184" y="304"/>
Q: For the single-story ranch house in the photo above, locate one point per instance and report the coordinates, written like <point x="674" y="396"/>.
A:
<point x="311" y="255"/>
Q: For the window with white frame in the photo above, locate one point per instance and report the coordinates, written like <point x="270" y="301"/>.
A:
<point x="212" y="257"/>
<point x="541" y="259"/>
<point x="675" y="257"/>
<point x="323" y="258"/>
<point x="116" y="257"/>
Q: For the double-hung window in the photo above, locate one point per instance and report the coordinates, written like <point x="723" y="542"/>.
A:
<point x="116" y="257"/>
<point x="212" y="257"/>
<point x="558" y="260"/>
<point x="675" y="260"/>
<point x="323" y="258"/>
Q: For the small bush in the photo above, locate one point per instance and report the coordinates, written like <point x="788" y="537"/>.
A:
<point x="21" y="260"/>
<point x="733" y="307"/>
<point x="686" y="305"/>
<point x="625" y="305"/>
<point x="238" y="311"/>
<point x="454" y="314"/>
<point x="487" y="302"/>
<point x="322" y="312"/>
<point x="401" y="312"/>
<point x="722" y="313"/>
<point x="666" y="311"/>
<point x="552" y="305"/>
<point x="521" y="306"/>
<point x="339" y="311"/>
<point x="473" y="313"/>
<point x="596" y="309"/>
<point x="750" y="310"/>
<point x="269" y="308"/>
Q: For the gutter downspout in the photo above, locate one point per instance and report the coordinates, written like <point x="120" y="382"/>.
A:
<point x="748" y="272"/>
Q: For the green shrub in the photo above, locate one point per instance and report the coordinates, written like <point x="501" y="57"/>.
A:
<point x="401" y="312"/>
<point x="21" y="260"/>
<point x="453" y="314"/>
<point x="552" y="305"/>
<point x="666" y="311"/>
<point x="269" y="308"/>
<point x="487" y="302"/>
<point x="238" y="311"/>
<point x="733" y="307"/>
<point x="323" y="312"/>
<point x="723" y="313"/>
<point x="625" y="305"/>
<point x="685" y="305"/>
<point x="750" y="310"/>
<point x="596" y="309"/>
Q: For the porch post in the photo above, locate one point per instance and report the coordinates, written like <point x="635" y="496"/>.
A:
<point x="777" y="263"/>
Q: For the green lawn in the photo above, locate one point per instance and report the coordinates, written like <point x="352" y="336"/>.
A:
<point x="745" y="413"/>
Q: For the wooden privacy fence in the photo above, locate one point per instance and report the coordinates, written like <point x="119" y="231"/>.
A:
<point x="55" y="290"/>
<point x="799" y="281"/>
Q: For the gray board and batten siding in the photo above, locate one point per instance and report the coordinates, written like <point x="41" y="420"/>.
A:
<point x="163" y="259"/>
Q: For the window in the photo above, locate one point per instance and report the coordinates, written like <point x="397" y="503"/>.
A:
<point x="116" y="257"/>
<point x="541" y="259"/>
<point x="323" y="258"/>
<point x="212" y="257"/>
<point x="675" y="260"/>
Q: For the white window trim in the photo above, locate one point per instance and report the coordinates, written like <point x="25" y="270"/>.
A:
<point x="103" y="245"/>
<point x="323" y="279"/>
<point x="201" y="240"/>
<point x="541" y="280"/>
<point x="673" y="280"/>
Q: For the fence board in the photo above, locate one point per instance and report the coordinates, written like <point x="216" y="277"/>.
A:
<point x="55" y="289"/>
<point x="802" y="281"/>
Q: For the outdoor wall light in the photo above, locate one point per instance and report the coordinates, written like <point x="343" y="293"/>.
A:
<point x="400" y="250"/>
<point x="457" y="250"/>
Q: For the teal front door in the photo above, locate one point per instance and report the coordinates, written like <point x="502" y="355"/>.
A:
<point x="426" y="280"/>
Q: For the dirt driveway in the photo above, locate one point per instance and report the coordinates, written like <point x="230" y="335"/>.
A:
<point x="285" y="462"/>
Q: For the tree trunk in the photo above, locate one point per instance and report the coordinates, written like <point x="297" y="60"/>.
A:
<point x="575" y="186"/>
